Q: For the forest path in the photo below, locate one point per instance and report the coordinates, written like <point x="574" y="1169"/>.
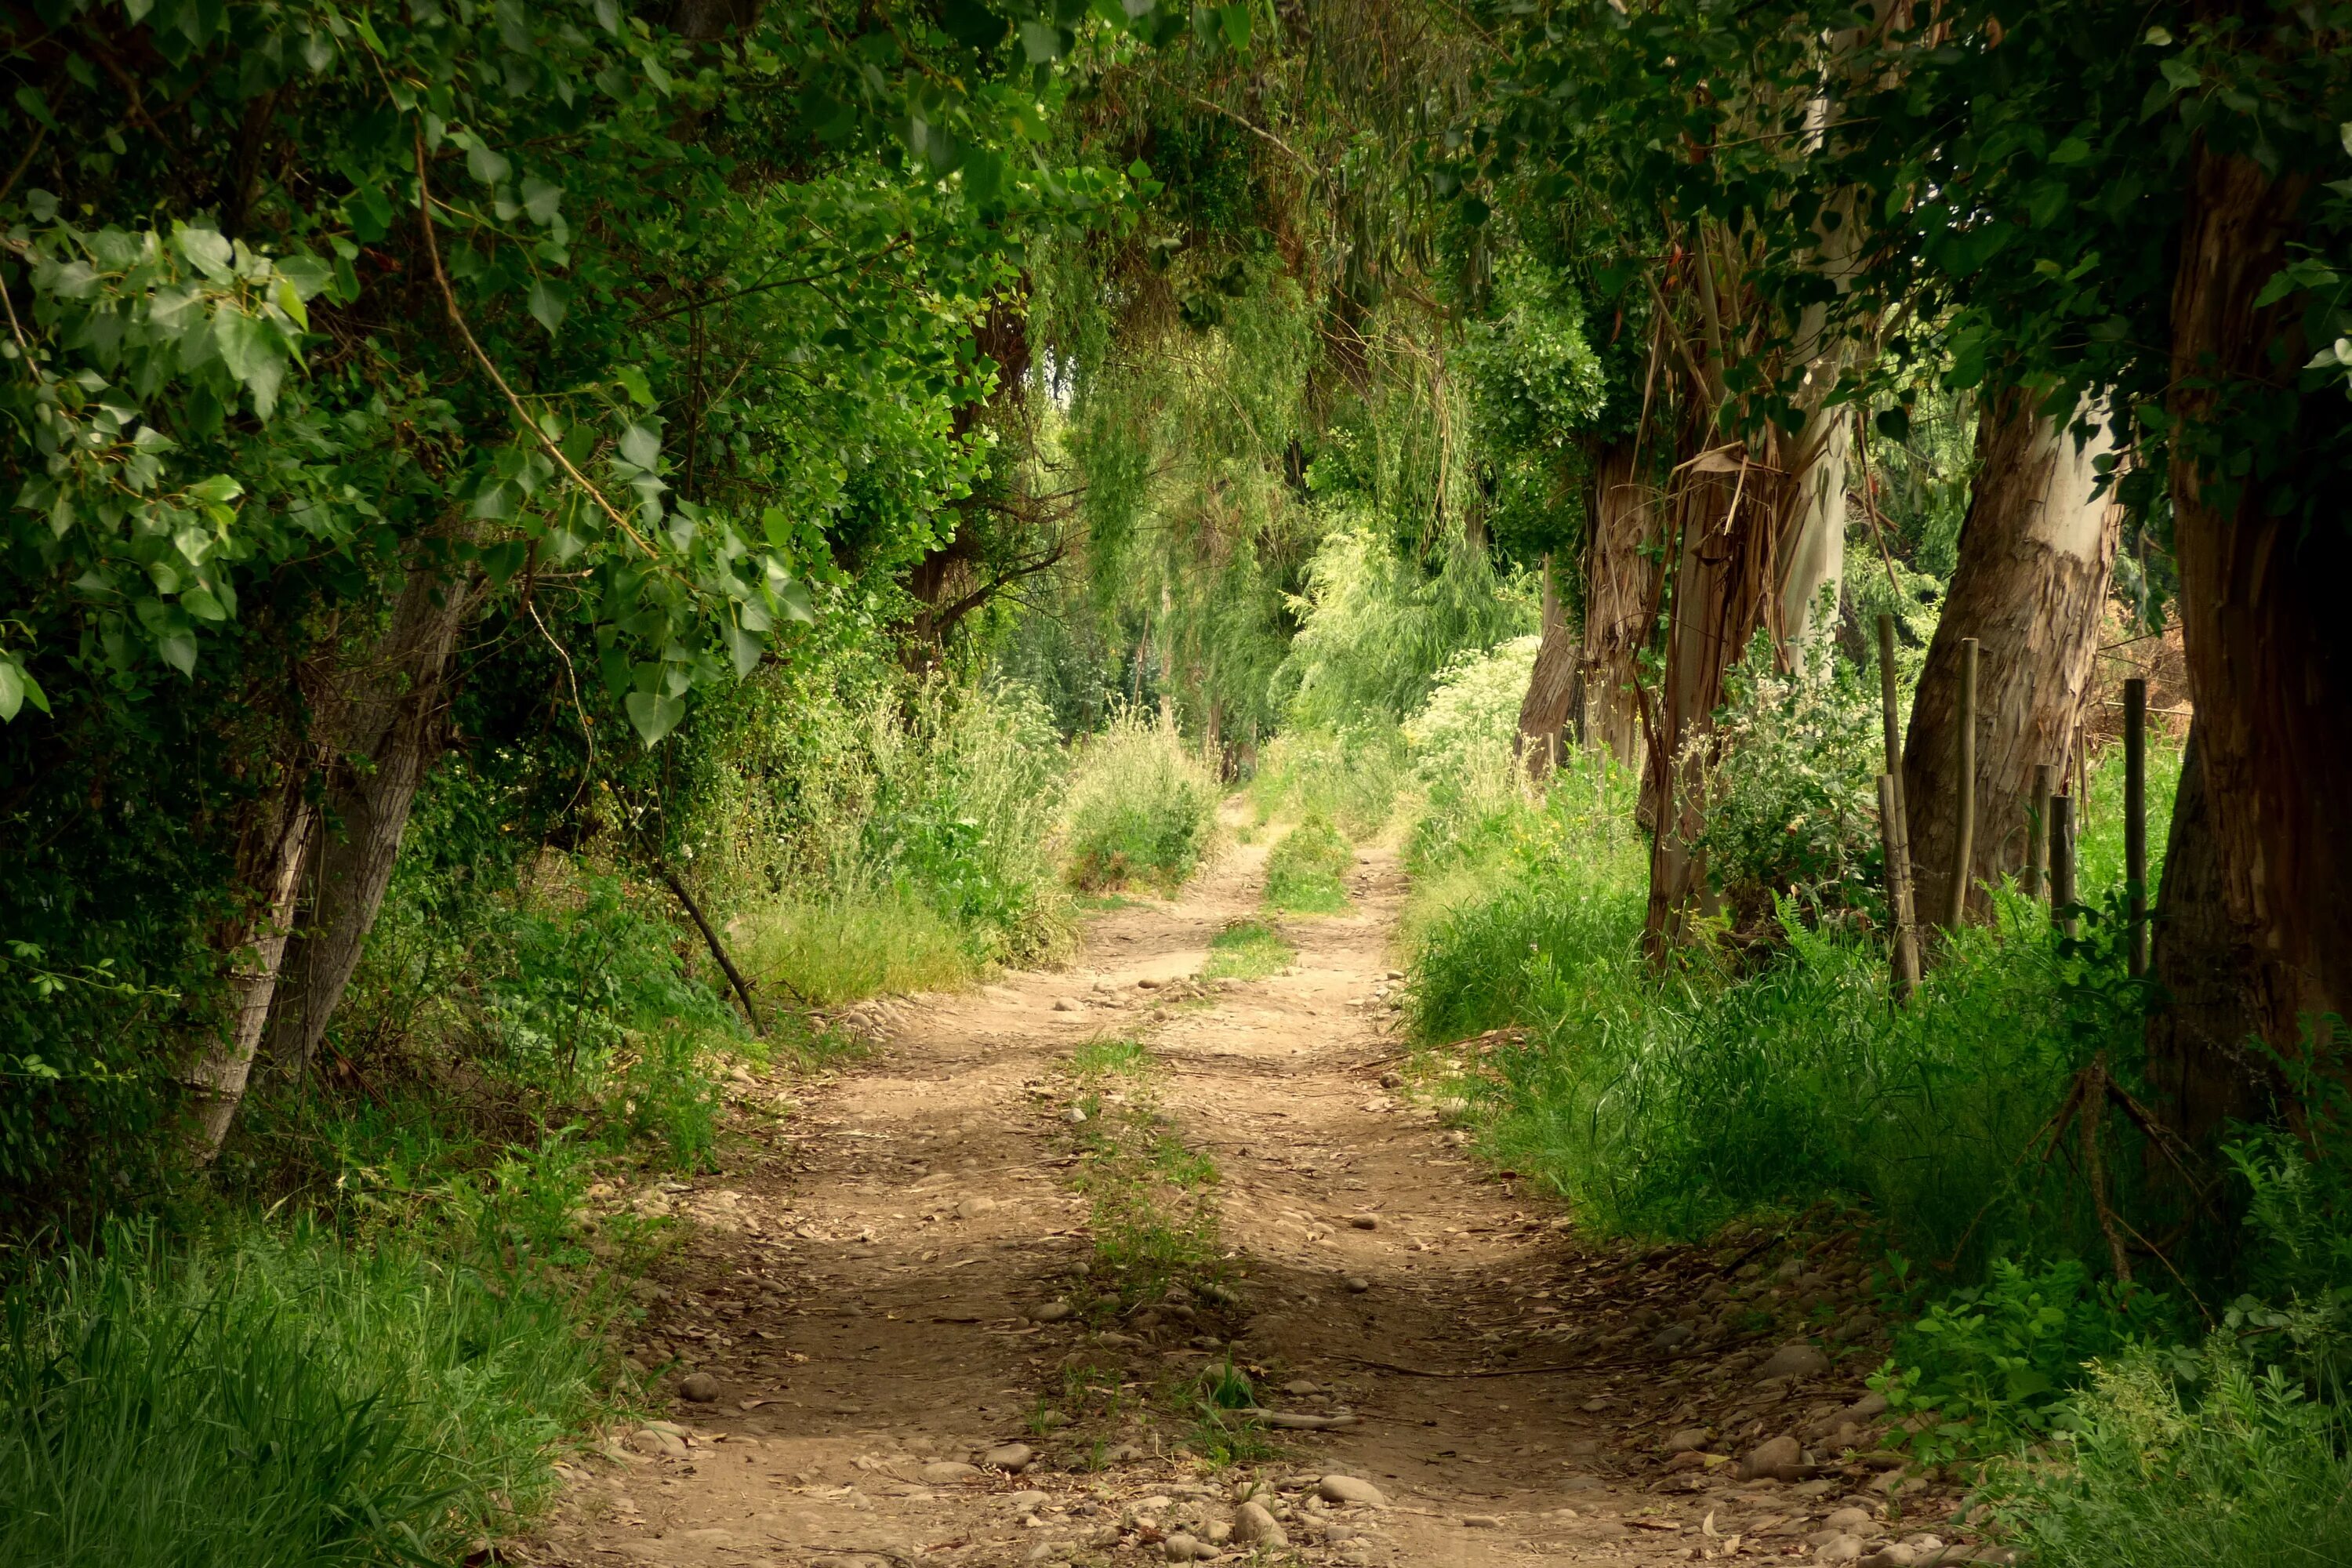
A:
<point x="864" y="1298"/>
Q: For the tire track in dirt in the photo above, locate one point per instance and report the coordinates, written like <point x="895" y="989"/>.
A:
<point x="863" y="1295"/>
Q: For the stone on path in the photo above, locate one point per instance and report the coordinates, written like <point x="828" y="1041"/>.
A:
<point x="1798" y="1360"/>
<point x="699" y="1386"/>
<point x="975" y="1206"/>
<point x="1348" y="1488"/>
<point x="1357" y="1284"/>
<point x="1687" y="1440"/>
<point x="658" y="1442"/>
<point x="1010" y="1457"/>
<point x="1765" y="1458"/>
<point x="1253" y="1526"/>
<point x="947" y="1472"/>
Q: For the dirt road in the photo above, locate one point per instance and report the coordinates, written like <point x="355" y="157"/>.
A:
<point x="875" y="1307"/>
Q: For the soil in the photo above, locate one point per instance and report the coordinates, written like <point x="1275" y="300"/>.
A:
<point x="855" y="1292"/>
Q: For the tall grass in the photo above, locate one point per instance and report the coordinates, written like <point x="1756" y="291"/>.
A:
<point x="1349" y="776"/>
<point x="1142" y="808"/>
<point x="1307" y="872"/>
<point x="275" y="1401"/>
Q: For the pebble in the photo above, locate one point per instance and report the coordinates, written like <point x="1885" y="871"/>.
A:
<point x="1181" y="1548"/>
<point x="1348" y="1488"/>
<point x="1065" y="1005"/>
<point x="945" y="1472"/>
<point x="1010" y="1458"/>
<point x="1365" y="1221"/>
<point x="1798" y="1360"/>
<point x="1075" y="1116"/>
<point x="1391" y="1080"/>
<point x="975" y="1206"/>
<point x="1357" y="1284"/>
<point x="1481" y="1522"/>
<point x="1670" y="1337"/>
<point x="1868" y="1407"/>
<point x="1255" y="1526"/>
<point x="1687" y="1440"/>
<point x="1838" y="1549"/>
<point x="699" y="1386"/>
<point x="1028" y="1502"/>
<point x="1765" y="1458"/>
<point x="662" y="1445"/>
<point x="1052" y="1312"/>
<point x="1853" y="1519"/>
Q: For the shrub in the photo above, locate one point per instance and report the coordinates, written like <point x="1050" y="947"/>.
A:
<point x="1141" y="808"/>
<point x="1351" y="775"/>
<point x="1307" y="872"/>
<point x="829" y="951"/>
<point x="275" y="1402"/>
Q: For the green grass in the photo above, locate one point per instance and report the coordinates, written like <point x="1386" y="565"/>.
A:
<point x="1141" y="810"/>
<point x="1305" y="874"/>
<point x="1351" y="777"/>
<point x="277" y="1400"/>
<point x="844" y="949"/>
<point x="1247" y="949"/>
<point x="1151" y="1196"/>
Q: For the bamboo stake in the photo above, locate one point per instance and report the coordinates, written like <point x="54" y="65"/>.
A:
<point x="1898" y="886"/>
<point x="1895" y="829"/>
<point x="1964" y="847"/>
<point x="2136" y="817"/>
<point x="2037" y="830"/>
<point x="2062" y="861"/>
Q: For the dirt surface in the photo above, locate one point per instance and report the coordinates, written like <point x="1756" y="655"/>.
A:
<point x="861" y="1292"/>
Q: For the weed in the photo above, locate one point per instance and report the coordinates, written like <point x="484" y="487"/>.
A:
<point x="1154" y="1212"/>
<point x="1142" y="809"/>
<point x="1305" y="874"/>
<point x="853" y="945"/>
<point x="1349" y="776"/>
<point x="1247" y="949"/>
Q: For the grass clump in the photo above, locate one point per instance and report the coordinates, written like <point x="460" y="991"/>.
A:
<point x="1142" y="809"/>
<point x="1153" y="1197"/>
<point x="830" y="950"/>
<point x="1247" y="949"/>
<point x="1305" y="874"/>
<point x="1351" y="775"/>
<point x="275" y="1401"/>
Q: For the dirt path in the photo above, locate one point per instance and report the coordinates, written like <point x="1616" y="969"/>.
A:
<point x="865" y="1300"/>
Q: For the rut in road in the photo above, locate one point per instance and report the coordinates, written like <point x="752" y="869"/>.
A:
<point x="863" y="1302"/>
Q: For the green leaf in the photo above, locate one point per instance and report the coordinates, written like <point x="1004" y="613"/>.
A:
<point x="485" y="165"/>
<point x="11" y="691"/>
<point x="199" y="603"/>
<point x="632" y="382"/>
<point x="1041" y="41"/>
<point x="653" y="717"/>
<point x="541" y="199"/>
<point x="742" y="650"/>
<point x="546" y="305"/>
<point x="641" y="445"/>
<point x="1236" y="20"/>
<point x="206" y="251"/>
<point x="179" y="651"/>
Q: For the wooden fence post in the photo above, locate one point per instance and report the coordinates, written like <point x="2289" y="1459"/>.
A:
<point x="2136" y="817"/>
<point x="1892" y="835"/>
<point x="2062" y="861"/>
<point x="1964" y="842"/>
<point x="2037" y="830"/>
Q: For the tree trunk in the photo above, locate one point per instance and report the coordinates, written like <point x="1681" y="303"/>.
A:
<point x="385" y="715"/>
<point x="2261" y="568"/>
<point x="1817" y="550"/>
<point x="2035" y="554"/>
<point x="1552" y="686"/>
<point x="2206" y="963"/>
<point x="1620" y="594"/>
<point x="270" y="858"/>
<point x="1729" y="515"/>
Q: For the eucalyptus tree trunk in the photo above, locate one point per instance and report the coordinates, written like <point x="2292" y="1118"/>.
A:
<point x="270" y="855"/>
<point x="1817" y="543"/>
<point x="2268" y="643"/>
<point x="1552" y="686"/>
<point x="1620" y="596"/>
<point x="1729" y="511"/>
<point x="385" y="713"/>
<point x="2035" y="551"/>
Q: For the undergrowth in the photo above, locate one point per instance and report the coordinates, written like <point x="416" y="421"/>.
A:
<point x="1142" y="807"/>
<point x="1247" y="949"/>
<point x="1152" y="1198"/>
<point x="1307" y="872"/>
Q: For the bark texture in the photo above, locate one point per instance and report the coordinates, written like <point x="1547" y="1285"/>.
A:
<point x="1621" y="596"/>
<point x="1552" y="687"/>
<point x="1731" y="512"/>
<point x="2205" y="962"/>
<point x="2034" y="553"/>
<point x="270" y="857"/>
<point x="2269" y="646"/>
<point x="385" y="717"/>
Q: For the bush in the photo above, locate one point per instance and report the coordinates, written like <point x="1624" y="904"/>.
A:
<point x="1307" y="873"/>
<point x="275" y="1402"/>
<point x="2185" y="1459"/>
<point x="1141" y="808"/>
<point x="1349" y="776"/>
<point x="838" y="950"/>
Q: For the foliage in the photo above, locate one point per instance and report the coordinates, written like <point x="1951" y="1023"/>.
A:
<point x="1993" y="1365"/>
<point x="1307" y="872"/>
<point x="281" y="1400"/>
<point x="1141" y="808"/>
<point x="2176" y="1458"/>
<point x="1791" y="780"/>
<point x="1351" y="776"/>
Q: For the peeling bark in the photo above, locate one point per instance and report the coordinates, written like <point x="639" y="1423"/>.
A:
<point x="2035" y="551"/>
<point x="270" y="862"/>
<point x="1552" y="685"/>
<point x="1621" y="595"/>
